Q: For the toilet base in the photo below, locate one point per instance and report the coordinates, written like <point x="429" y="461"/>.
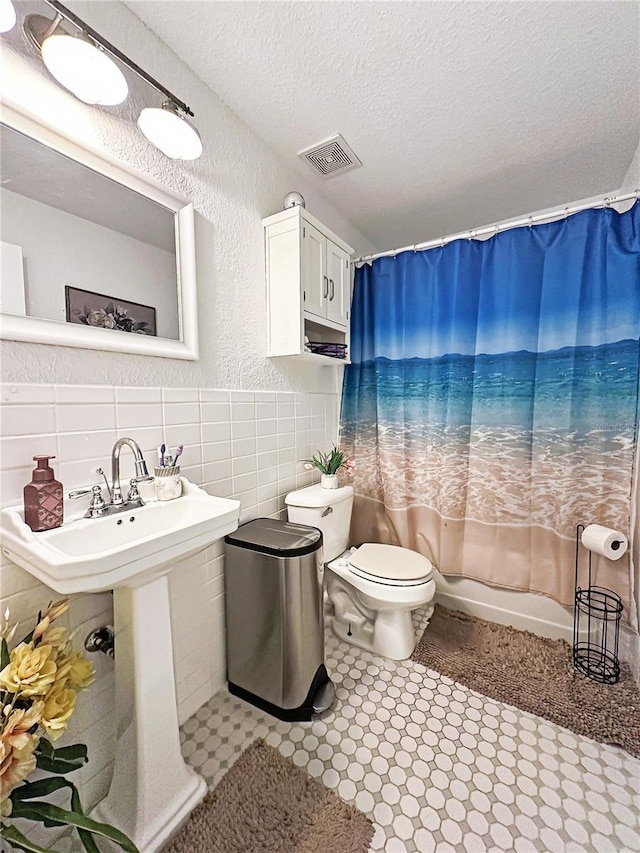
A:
<point x="390" y="636"/>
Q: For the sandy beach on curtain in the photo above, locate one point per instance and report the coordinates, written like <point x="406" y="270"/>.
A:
<point x="520" y="557"/>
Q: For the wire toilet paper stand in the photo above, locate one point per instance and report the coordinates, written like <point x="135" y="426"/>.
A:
<point x="596" y="626"/>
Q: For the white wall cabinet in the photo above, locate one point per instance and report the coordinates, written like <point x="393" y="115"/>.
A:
<point x="308" y="270"/>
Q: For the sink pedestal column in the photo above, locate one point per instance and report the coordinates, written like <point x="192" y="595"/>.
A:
<point x="152" y="791"/>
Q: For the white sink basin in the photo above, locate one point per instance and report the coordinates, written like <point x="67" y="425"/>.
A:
<point x="97" y="554"/>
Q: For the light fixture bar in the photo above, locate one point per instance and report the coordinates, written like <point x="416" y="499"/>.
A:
<point x="117" y="54"/>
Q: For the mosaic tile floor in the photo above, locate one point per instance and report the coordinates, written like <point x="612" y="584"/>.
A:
<point x="438" y="767"/>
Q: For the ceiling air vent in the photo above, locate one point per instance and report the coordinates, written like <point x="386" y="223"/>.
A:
<point x="330" y="157"/>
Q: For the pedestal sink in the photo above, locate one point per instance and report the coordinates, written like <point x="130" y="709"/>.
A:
<point x="152" y="791"/>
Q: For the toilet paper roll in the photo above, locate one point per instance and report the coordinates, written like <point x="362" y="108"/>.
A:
<point x="604" y="541"/>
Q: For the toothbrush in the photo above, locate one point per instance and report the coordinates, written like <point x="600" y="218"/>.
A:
<point x="178" y="453"/>
<point x="163" y="448"/>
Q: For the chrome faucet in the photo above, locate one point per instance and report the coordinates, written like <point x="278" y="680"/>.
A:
<point x="141" y="471"/>
<point x="98" y="507"/>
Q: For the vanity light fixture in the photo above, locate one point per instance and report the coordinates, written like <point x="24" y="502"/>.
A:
<point x="83" y="62"/>
<point x="7" y="16"/>
<point x="76" y="62"/>
<point x="170" y="130"/>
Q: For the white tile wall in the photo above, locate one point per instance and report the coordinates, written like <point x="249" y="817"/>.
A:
<point x="243" y="444"/>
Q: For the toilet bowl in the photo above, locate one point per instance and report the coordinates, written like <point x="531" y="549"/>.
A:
<point x="372" y="589"/>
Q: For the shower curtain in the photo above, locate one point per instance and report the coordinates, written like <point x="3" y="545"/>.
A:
<point x="492" y="400"/>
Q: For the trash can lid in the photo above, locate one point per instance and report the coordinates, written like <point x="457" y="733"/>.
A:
<point x="280" y="538"/>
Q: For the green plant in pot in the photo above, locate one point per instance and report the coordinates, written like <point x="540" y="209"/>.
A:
<point x="329" y="464"/>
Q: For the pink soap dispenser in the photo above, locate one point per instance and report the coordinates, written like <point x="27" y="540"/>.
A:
<point x="43" y="501"/>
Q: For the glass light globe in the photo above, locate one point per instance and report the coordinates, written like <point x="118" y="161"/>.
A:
<point x="7" y="16"/>
<point x="172" y="133"/>
<point x="89" y="73"/>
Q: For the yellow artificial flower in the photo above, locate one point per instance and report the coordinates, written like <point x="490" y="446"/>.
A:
<point x="41" y="627"/>
<point x="59" y="705"/>
<point x="30" y="670"/>
<point x="55" y="609"/>
<point x="82" y="673"/>
<point x="15" y="731"/>
<point x="15" y="766"/>
<point x="56" y="637"/>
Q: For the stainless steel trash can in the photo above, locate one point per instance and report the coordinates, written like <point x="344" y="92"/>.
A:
<point x="275" y="621"/>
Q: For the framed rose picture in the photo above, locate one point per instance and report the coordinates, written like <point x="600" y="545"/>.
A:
<point x="108" y="312"/>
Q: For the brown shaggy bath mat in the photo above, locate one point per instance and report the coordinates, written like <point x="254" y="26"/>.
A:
<point x="265" y="803"/>
<point x="532" y="673"/>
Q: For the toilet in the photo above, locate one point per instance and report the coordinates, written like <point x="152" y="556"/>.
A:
<point x="372" y="589"/>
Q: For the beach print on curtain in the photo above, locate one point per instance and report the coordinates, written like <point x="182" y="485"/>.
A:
<point x="492" y="400"/>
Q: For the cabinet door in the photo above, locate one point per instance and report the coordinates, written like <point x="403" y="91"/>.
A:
<point x="339" y="297"/>
<point x="314" y="282"/>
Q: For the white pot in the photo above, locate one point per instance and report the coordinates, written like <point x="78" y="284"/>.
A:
<point x="329" y="481"/>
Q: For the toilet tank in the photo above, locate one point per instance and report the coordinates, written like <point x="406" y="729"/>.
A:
<point x="327" y="509"/>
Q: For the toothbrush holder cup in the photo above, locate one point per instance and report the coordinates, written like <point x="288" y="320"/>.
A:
<point x="167" y="483"/>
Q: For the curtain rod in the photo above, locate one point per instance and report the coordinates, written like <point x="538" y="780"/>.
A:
<point x="499" y="226"/>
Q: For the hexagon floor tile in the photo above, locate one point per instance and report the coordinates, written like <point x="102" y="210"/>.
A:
<point x="436" y="766"/>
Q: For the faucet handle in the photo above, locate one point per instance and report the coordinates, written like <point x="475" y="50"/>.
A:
<point x="134" y="494"/>
<point x="97" y="505"/>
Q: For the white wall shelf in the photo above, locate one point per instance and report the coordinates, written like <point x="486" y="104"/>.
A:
<point x="308" y="272"/>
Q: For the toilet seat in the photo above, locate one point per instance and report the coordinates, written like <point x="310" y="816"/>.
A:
<point x="390" y="565"/>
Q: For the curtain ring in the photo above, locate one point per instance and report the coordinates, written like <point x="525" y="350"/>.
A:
<point x="472" y="234"/>
<point x="530" y="225"/>
<point x="566" y="213"/>
<point x="607" y="202"/>
<point x="497" y="227"/>
<point x="442" y="243"/>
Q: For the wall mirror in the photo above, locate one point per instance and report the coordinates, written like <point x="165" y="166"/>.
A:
<point x="92" y="254"/>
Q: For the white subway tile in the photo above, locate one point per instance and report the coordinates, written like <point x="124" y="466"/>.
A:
<point x="84" y="394"/>
<point x="267" y="427"/>
<point x="266" y="410"/>
<point x="180" y="395"/>
<point x="265" y="396"/>
<point x="267" y="475"/>
<point x="24" y="394"/>
<point x="19" y="451"/>
<point x="267" y="460"/>
<point x="244" y="465"/>
<point x="243" y="411"/>
<point x="139" y="415"/>
<point x="13" y="482"/>
<point x="216" y="451"/>
<point x="266" y="443"/>
<point x="243" y="447"/>
<point x="181" y="413"/>
<point x="243" y="429"/>
<point x="213" y="395"/>
<point x="269" y="508"/>
<point x="221" y="488"/>
<point x="286" y="439"/>
<point x="212" y="471"/>
<point x="244" y="482"/>
<point x="84" y="418"/>
<point x="285" y="410"/>
<point x="287" y="454"/>
<point x="27" y="420"/>
<point x="242" y="396"/>
<point x="215" y="412"/>
<point x="286" y="425"/>
<point x="131" y="394"/>
<point x="86" y="445"/>
<point x="285" y="397"/>
<point x="216" y="432"/>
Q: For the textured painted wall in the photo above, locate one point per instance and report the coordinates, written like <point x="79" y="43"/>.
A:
<point x="233" y="186"/>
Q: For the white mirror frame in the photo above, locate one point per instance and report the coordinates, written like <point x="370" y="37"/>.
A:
<point x="39" y="331"/>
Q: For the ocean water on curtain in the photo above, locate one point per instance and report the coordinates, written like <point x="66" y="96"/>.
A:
<point x="517" y="437"/>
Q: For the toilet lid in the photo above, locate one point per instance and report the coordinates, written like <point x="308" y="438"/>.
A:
<point x="390" y="563"/>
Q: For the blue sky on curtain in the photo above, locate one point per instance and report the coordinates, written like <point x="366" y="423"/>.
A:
<point x="492" y="400"/>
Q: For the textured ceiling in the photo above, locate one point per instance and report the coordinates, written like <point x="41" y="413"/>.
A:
<point x="462" y="113"/>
